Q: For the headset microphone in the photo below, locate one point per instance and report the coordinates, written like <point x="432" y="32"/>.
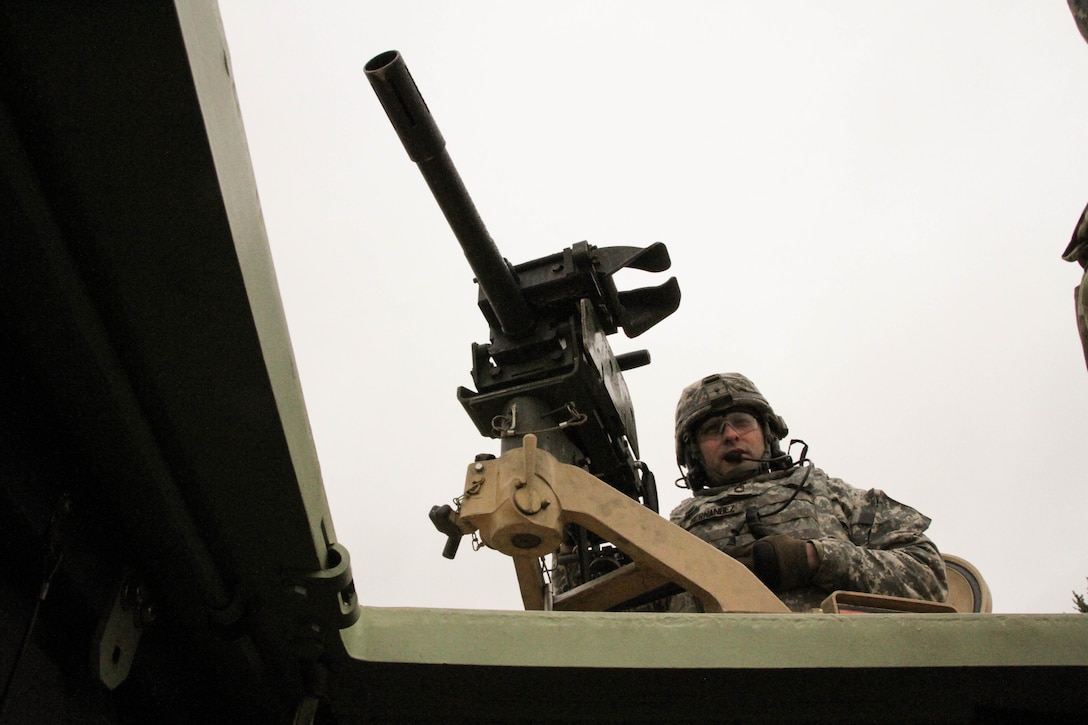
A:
<point x="738" y="457"/>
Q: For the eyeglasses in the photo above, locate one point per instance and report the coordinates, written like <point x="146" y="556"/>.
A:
<point x="714" y="427"/>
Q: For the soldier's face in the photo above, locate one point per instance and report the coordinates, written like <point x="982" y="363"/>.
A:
<point x="726" y="441"/>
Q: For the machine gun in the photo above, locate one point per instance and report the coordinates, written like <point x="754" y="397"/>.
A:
<point x="550" y="388"/>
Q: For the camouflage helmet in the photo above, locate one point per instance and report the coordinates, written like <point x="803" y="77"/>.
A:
<point x="716" y="394"/>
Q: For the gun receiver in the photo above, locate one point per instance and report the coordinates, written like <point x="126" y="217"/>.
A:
<point x="548" y="369"/>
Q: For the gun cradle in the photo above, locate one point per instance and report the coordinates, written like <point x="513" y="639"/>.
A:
<point x="521" y="501"/>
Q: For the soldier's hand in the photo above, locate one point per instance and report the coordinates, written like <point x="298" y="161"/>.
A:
<point x="781" y="562"/>
<point x="743" y="554"/>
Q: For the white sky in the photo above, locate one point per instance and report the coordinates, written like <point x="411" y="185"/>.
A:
<point x="865" y="204"/>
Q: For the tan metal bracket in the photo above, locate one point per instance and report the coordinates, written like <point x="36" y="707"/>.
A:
<point x="522" y="501"/>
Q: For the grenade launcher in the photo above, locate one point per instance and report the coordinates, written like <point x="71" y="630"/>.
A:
<point x="547" y="386"/>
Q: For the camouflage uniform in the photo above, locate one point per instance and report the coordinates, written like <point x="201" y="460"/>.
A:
<point x="867" y="541"/>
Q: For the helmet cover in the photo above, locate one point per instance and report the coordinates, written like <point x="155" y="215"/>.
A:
<point x="719" y="393"/>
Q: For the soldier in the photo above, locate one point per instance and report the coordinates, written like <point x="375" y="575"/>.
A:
<point x="803" y="533"/>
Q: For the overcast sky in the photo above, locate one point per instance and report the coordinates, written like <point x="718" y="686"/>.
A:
<point x="865" y="204"/>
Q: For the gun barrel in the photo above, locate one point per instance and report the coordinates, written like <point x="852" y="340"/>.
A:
<point x="408" y="112"/>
